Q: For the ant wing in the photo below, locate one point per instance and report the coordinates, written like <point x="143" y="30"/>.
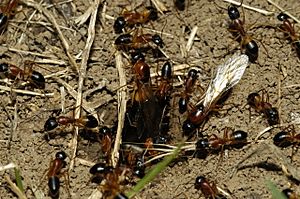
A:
<point x="227" y="75"/>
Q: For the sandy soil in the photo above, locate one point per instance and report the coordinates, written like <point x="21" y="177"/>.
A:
<point x="22" y="138"/>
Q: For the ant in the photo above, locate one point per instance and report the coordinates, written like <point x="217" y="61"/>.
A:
<point x="290" y="194"/>
<point x="54" y="172"/>
<point x="288" y="28"/>
<point x="166" y="79"/>
<point x="286" y="138"/>
<point x="6" y="12"/>
<point x="127" y="41"/>
<point x="234" y="139"/>
<point x="189" y="84"/>
<point x="261" y="104"/>
<point x="236" y="27"/>
<point x="111" y="187"/>
<point x="13" y="72"/>
<point x="106" y="140"/>
<point x="88" y="121"/>
<point x="131" y="19"/>
<point x="208" y="189"/>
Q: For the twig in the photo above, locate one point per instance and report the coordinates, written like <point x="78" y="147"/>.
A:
<point x="25" y="92"/>
<point x="282" y="10"/>
<point x="264" y="12"/>
<point x="121" y="108"/>
<point x="82" y="75"/>
<point x="191" y="39"/>
<point x="14" y="188"/>
<point x="8" y="166"/>
<point x="52" y="19"/>
<point x="159" y="6"/>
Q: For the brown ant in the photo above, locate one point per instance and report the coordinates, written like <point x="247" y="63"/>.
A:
<point x="111" y="187"/>
<point x="88" y="121"/>
<point x="261" y="104"/>
<point x="6" y="12"/>
<point x="127" y="41"/>
<point x="131" y="19"/>
<point x="166" y="80"/>
<point x="54" y="173"/>
<point x="189" y="85"/>
<point x="288" y="28"/>
<point x="13" y="72"/>
<point x="208" y="189"/>
<point x="287" y="138"/>
<point x="236" y="27"/>
<point x="106" y="140"/>
<point x="214" y="143"/>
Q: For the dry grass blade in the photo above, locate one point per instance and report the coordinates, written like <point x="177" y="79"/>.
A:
<point x="52" y="19"/>
<point x="121" y="108"/>
<point x="25" y="92"/>
<point x="264" y="12"/>
<point x="8" y="166"/>
<point x="159" y="6"/>
<point x="14" y="188"/>
<point x="82" y="75"/>
<point x="191" y="39"/>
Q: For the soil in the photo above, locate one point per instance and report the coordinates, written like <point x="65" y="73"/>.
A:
<point x="30" y="36"/>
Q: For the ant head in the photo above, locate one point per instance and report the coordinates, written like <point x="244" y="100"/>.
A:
<point x="50" y="124"/>
<point x="193" y="73"/>
<point x="166" y="70"/>
<point x="119" y="25"/>
<point x="104" y="131"/>
<point x="253" y="99"/>
<point x="282" y="17"/>
<point x="139" y="171"/>
<point x="281" y="139"/>
<point x="92" y="122"/>
<point x="136" y="56"/>
<point x="188" y="127"/>
<point x="160" y="139"/>
<point x="288" y="193"/>
<point x="157" y="40"/>
<point x="153" y="14"/>
<point x="61" y="155"/>
<point x="233" y="12"/>
<point x="182" y="105"/>
<point x="4" y="67"/>
<point x="251" y="50"/>
<point x="100" y="168"/>
<point x="38" y="79"/>
<point x="199" y="181"/>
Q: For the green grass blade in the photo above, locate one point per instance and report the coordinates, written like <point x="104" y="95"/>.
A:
<point x="19" y="179"/>
<point x="154" y="172"/>
<point x="276" y="193"/>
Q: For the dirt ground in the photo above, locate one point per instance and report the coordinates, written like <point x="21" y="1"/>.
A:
<point x="31" y="36"/>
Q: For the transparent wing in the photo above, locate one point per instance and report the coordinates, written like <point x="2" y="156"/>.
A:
<point x="227" y="75"/>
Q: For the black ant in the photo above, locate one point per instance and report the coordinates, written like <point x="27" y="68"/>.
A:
<point x="88" y="121"/>
<point x="261" y="104"/>
<point x="165" y="82"/>
<point x="208" y="189"/>
<point x="13" y="72"/>
<point x="54" y="172"/>
<point x="287" y="138"/>
<point x="288" y="28"/>
<point x="131" y="19"/>
<point x="6" y="12"/>
<point x="214" y="143"/>
<point x="236" y="27"/>
<point x="189" y="85"/>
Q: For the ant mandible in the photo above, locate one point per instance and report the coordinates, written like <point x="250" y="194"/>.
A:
<point x="261" y="104"/>
<point x="6" y="12"/>
<point x="288" y="28"/>
<point x="13" y="72"/>
<point x="54" y="172"/>
<point x="236" y="27"/>
<point x="131" y="19"/>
